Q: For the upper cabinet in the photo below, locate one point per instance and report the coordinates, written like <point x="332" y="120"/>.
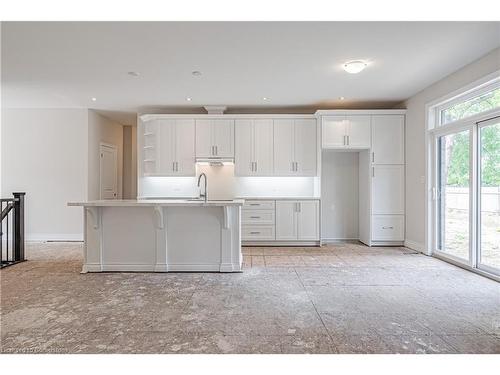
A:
<point x="168" y="147"/>
<point x="295" y="150"/>
<point x="346" y="132"/>
<point x="214" y="138"/>
<point x="254" y="147"/>
<point x="388" y="139"/>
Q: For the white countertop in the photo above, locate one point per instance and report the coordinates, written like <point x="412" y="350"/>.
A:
<point x="156" y="202"/>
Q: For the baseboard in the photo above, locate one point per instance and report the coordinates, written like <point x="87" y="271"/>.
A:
<point x="41" y="237"/>
<point x="415" y="246"/>
<point x="280" y="243"/>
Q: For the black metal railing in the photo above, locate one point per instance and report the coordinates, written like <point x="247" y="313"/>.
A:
<point x="12" y="230"/>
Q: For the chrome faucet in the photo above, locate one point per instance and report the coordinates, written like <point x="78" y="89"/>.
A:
<point x="204" y="195"/>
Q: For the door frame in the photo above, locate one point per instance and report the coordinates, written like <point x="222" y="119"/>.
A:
<point x="473" y="124"/>
<point x="115" y="150"/>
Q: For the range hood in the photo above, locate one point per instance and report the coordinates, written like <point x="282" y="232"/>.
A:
<point x="215" y="161"/>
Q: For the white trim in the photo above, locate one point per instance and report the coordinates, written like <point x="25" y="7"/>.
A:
<point x="346" y="112"/>
<point x="280" y="243"/>
<point x="150" y="116"/>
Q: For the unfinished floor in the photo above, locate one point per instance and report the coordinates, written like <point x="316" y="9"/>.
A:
<point x="344" y="298"/>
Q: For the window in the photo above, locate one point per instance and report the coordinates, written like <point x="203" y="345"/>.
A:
<point x="475" y="105"/>
<point x="464" y="141"/>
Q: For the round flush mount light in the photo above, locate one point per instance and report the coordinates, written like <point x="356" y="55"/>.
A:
<point x="188" y="99"/>
<point x="354" y="67"/>
<point x="133" y="74"/>
<point x="265" y="98"/>
<point x="94" y="99"/>
<point x="196" y="73"/>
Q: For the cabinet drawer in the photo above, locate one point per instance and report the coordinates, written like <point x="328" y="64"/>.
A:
<point x="258" y="205"/>
<point x="257" y="217"/>
<point x="388" y="228"/>
<point x="260" y="232"/>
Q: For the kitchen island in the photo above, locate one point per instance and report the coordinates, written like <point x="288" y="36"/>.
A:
<point x="162" y="235"/>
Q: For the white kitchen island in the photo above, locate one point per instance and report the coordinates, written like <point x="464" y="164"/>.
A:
<point x="162" y="235"/>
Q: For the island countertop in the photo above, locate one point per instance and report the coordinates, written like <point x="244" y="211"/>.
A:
<point x="157" y="202"/>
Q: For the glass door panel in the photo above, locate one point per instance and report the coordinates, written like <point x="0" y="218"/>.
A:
<point x="489" y="195"/>
<point x="453" y="195"/>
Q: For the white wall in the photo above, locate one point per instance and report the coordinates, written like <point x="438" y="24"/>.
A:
<point x="44" y="153"/>
<point x="102" y="129"/>
<point x="339" y="195"/>
<point x="415" y="140"/>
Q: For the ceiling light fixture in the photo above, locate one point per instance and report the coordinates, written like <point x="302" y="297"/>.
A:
<point x="341" y="98"/>
<point x="94" y="99"/>
<point x="354" y="67"/>
<point x="133" y="74"/>
<point x="196" y="73"/>
<point x="188" y="99"/>
<point x="264" y="98"/>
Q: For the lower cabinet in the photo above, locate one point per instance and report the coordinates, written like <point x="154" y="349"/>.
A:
<point x="297" y="220"/>
<point x="280" y="220"/>
<point x="388" y="227"/>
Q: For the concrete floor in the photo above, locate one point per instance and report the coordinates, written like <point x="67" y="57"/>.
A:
<point x="344" y="298"/>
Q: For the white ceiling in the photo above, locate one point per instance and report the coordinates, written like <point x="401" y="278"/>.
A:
<point x="294" y="64"/>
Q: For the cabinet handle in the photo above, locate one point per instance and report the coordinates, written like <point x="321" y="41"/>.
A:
<point x="254" y="217"/>
<point x="255" y="166"/>
<point x="345" y="144"/>
<point x="173" y="166"/>
<point x="254" y="232"/>
<point x="348" y="140"/>
<point x="296" y="166"/>
<point x="373" y="157"/>
<point x="373" y="171"/>
<point x="216" y="151"/>
<point x="387" y="227"/>
<point x="177" y="166"/>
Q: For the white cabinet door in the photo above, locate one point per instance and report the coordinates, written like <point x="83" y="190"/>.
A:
<point x="263" y="147"/>
<point x="284" y="163"/>
<point x="244" y="144"/>
<point x="286" y="220"/>
<point x="204" y="140"/>
<point x="388" y="139"/>
<point x="308" y="221"/>
<point x="223" y="137"/>
<point x="359" y="131"/>
<point x="334" y="131"/>
<point x="166" y="147"/>
<point x="305" y="147"/>
<point x="387" y="189"/>
<point x="184" y="148"/>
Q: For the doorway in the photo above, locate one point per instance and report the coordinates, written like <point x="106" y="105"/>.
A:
<point x="108" y="171"/>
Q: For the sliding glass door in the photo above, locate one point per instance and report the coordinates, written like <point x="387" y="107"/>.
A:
<point x="488" y="243"/>
<point x="453" y="195"/>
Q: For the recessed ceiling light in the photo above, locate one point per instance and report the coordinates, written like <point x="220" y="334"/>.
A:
<point x="341" y="98"/>
<point x="188" y="99"/>
<point x="94" y="99"/>
<point x="133" y="74"/>
<point x="265" y="98"/>
<point x="196" y="73"/>
<point x="354" y="67"/>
